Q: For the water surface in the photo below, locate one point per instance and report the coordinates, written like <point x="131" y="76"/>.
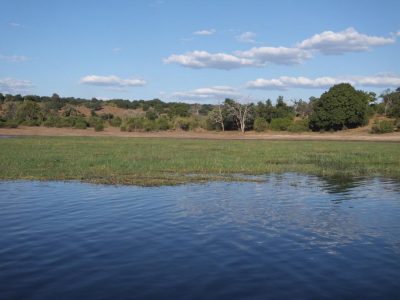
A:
<point x="291" y="237"/>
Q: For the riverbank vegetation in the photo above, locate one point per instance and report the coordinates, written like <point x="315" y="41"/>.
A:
<point x="340" y="108"/>
<point x="143" y="161"/>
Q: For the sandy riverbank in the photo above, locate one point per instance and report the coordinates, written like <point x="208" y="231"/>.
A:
<point x="350" y="135"/>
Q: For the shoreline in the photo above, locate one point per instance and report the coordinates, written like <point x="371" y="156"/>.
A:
<point x="349" y="135"/>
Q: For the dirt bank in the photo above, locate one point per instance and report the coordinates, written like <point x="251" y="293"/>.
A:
<point x="350" y="135"/>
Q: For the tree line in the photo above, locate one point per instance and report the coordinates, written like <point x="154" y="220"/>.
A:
<point x="341" y="107"/>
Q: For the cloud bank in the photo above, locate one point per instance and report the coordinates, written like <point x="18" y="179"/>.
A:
<point x="207" y="93"/>
<point x="287" y="82"/>
<point x="327" y="43"/>
<point x="14" y="86"/>
<point x="112" y="81"/>
<point x="349" y="40"/>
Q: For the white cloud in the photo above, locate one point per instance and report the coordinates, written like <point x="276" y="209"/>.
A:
<point x="204" y="59"/>
<point x="112" y="81"/>
<point x="276" y="55"/>
<point x="204" y="32"/>
<point x="349" y="40"/>
<point x="207" y="93"/>
<point x="14" y="24"/>
<point x="13" y="58"/>
<point x="327" y="42"/>
<point x="287" y="82"/>
<point x="255" y="57"/>
<point x="246" y="37"/>
<point x="116" y="50"/>
<point x="14" y="86"/>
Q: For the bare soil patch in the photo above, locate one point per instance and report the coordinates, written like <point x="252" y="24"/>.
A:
<point x="348" y="135"/>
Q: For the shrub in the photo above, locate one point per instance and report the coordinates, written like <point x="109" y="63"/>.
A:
<point x="94" y="120"/>
<point x="280" y="124"/>
<point x="70" y="111"/>
<point x="31" y="123"/>
<point x="382" y="126"/>
<point x="162" y="123"/>
<point x="151" y="115"/>
<point x="115" y="122"/>
<point x="260" y="124"/>
<point x="80" y="124"/>
<point x="50" y="122"/>
<point x="99" y="127"/>
<point x="299" y="126"/>
<point x="123" y="128"/>
<point x="64" y="122"/>
<point x="107" y="117"/>
<point x="186" y="123"/>
<point x="149" y="125"/>
<point x="135" y="124"/>
<point x="9" y="124"/>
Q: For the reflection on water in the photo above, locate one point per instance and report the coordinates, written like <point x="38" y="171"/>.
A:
<point x="291" y="236"/>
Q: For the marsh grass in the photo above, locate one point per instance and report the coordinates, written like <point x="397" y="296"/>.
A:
<point x="174" y="161"/>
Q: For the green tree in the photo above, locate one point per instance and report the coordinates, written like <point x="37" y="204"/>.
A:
<point x="340" y="107"/>
<point x="282" y="110"/>
<point x="265" y="110"/>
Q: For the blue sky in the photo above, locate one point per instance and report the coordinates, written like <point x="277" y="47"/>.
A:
<point x="197" y="51"/>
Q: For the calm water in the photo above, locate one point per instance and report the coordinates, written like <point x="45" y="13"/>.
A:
<point x="292" y="237"/>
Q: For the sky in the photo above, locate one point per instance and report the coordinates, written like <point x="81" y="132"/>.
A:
<point x="197" y="51"/>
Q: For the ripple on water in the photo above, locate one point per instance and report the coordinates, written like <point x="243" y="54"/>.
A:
<point x="291" y="236"/>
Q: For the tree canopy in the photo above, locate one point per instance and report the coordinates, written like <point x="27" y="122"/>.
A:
<point x="340" y="107"/>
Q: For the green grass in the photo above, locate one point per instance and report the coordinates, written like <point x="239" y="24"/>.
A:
<point x="174" y="161"/>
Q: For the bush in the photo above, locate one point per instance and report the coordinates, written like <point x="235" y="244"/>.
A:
<point x="99" y="127"/>
<point x="260" y="124"/>
<point x="280" y="124"/>
<point x="51" y="121"/>
<point x="64" y="122"/>
<point x="162" y="123"/>
<point x="31" y="123"/>
<point x="135" y="124"/>
<point x="299" y="126"/>
<point x="70" y="111"/>
<point x="123" y="128"/>
<point x="107" y="117"/>
<point x="8" y="124"/>
<point x="382" y="126"/>
<point x="186" y="123"/>
<point x="151" y="115"/>
<point x="115" y="122"/>
<point x="80" y="124"/>
<point x="94" y="120"/>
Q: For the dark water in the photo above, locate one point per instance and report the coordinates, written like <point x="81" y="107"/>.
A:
<point x="292" y="237"/>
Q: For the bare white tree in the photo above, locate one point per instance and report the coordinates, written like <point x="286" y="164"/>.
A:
<point x="387" y="99"/>
<point x="241" y="113"/>
<point x="217" y="116"/>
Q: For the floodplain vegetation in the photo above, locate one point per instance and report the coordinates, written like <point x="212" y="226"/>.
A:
<point x="157" y="161"/>
<point x="340" y="108"/>
<point x="161" y="161"/>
